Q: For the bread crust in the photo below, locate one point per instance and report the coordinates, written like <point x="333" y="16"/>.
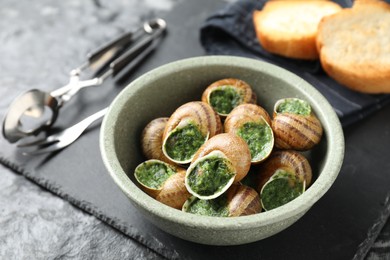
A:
<point x="354" y="49"/>
<point x="282" y="29"/>
<point x="372" y="3"/>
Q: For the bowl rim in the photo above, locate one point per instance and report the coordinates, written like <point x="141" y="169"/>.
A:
<point x="332" y="130"/>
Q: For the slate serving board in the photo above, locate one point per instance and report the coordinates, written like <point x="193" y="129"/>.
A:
<point x="343" y="224"/>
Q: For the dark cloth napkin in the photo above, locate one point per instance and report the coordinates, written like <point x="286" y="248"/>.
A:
<point x="230" y="31"/>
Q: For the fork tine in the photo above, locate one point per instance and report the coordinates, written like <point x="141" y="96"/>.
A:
<point x="48" y="149"/>
<point x="40" y="142"/>
<point x="61" y="139"/>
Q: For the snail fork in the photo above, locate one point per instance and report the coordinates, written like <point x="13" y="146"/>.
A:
<point x="61" y="139"/>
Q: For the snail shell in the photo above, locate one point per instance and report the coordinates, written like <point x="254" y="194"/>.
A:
<point x="295" y="131"/>
<point x="239" y="200"/>
<point x="288" y="165"/>
<point x="249" y="111"/>
<point x="196" y="114"/>
<point x="170" y="189"/>
<point x="174" y="192"/>
<point x="242" y="200"/>
<point x="234" y="154"/>
<point x="242" y="117"/>
<point x="288" y="160"/>
<point x="240" y="93"/>
<point x="151" y="139"/>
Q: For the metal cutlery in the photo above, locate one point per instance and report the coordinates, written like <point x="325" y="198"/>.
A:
<point x="35" y="110"/>
<point x="61" y="139"/>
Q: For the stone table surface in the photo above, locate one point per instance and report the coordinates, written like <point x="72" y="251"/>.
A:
<point x="34" y="223"/>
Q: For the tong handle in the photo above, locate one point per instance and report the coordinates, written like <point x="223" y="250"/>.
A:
<point x="139" y="50"/>
<point x="108" y="53"/>
<point x="131" y="55"/>
<point x="125" y="51"/>
<point x="110" y="50"/>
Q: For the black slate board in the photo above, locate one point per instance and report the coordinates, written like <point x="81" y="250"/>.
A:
<point x="337" y="227"/>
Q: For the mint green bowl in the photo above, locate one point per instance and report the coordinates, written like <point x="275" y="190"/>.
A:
<point x="159" y="92"/>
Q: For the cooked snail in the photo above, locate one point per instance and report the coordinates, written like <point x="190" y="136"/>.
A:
<point x="190" y="126"/>
<point x="239" y="200"/>
<point x="282" y="177"/>
<point x="224" y="159"/>
<point x="252" y="123"/>
<point x="294" y="125"/>
<point x="225" y="94"/>
<point x="163" y="182"/>
<point x="243" y="200"/>
<point x="151" y="139"/>
<point x="214" y="183"/>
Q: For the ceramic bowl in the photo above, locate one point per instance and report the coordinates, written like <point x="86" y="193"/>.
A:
<point x="159" y="92"/>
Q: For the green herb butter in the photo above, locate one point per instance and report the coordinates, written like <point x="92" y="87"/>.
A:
<point x="153" y="173"/>
<point x="224" y="99"/>
<point x="295" y="106"/>
<point x="280" y="190"/>
<point x="183" y="143"/>
<point x="210" y="176"/>
<point x="258" y="137"/>
<point x="217" y="207"/>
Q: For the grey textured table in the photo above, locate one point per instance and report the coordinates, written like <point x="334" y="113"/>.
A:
<point x="37" y="49"/>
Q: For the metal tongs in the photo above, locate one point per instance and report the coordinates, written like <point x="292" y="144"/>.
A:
<point x="35" y="110"/>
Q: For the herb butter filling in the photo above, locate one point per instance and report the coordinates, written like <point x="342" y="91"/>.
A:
<point x="210" y="176"/>
<point x="215" y="207"/>
<point x="224" y="99"/>
<point x="183" y="143"/>
<point x="281" y="190"/>
<point x="295" y="106"/>
<point x="153" y="174"/>
<point x="258" y="137"/>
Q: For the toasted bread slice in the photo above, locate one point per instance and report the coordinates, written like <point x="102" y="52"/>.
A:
<point x="354" y="46"/>
<point x="289" y="28"/>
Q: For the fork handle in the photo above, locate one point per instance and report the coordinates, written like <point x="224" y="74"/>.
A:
<point x="92" y="118"/>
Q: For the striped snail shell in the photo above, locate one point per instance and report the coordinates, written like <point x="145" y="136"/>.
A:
<point x="252" y="123"/>
<point x="224" y="159"/>
<point x="243" y="200"/>
<point x="162" y="181"/>
<point x="282" y="177"/>
<point x="238" y="200"/>
<point x="151" y="139"/>
<point x="295" y="126"/>
<point x="187" y="129"/>
<point x="225" y="94"/>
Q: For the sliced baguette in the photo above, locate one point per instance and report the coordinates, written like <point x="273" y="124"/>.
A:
<point x="354" y="46"/>
<point x="289" y="28"/>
